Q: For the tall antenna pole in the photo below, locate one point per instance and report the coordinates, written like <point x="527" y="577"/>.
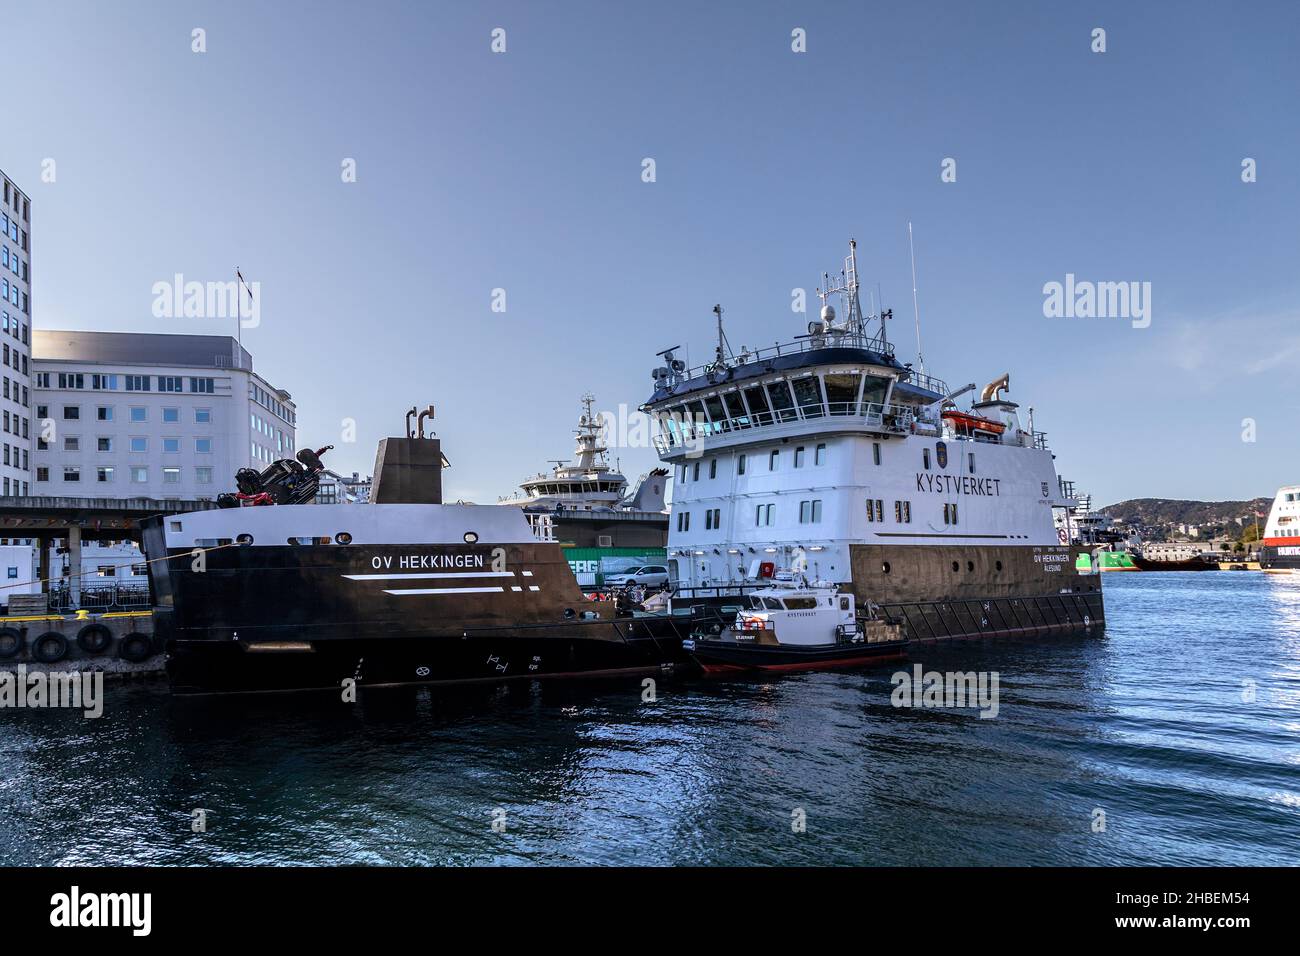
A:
<point x="916" y="312"/>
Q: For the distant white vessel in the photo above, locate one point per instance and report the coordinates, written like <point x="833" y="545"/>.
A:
<point x="1280" y="548"/>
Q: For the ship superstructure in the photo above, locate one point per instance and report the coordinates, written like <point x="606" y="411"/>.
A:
<point x="827" y="454"/>
<point x="1280" y="548"/>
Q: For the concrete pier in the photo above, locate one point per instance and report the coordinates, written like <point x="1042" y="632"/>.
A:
<point x="31" y="628"/>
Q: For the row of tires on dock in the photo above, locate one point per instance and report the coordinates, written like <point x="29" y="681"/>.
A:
<point x="95" y="640"/>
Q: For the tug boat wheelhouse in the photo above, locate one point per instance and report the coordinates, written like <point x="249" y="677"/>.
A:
<point x="1279" y="551"/>
<point x="827" y="455"/>
<point x="272" y="593"/>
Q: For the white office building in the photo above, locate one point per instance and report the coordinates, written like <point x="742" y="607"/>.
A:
<point x="15" y="332"/>
<point x="127" y="415"/>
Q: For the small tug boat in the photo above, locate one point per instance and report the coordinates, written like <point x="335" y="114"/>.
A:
<point x="792" y="626"/>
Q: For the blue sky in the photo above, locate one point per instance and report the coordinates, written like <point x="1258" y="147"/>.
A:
<point x="522" y="171"/>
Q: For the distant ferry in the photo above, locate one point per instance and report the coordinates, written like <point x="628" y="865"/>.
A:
<point x="827" y="456"/>
<point x="1280" y="549"/>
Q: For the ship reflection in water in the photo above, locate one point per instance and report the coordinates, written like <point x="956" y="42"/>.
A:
<point x="1151" y="724"/>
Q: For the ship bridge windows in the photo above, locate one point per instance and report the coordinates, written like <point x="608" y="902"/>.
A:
<point x="697" y="421"/>
<point x="736" y="409"/>
<point x="842" y="393"/>
<point x="808" y="392"/>
<point x="782" y="402"/>
<point x="874" y="390"/>
<point x="717" y="414"/>
<point x="756" y="397"/>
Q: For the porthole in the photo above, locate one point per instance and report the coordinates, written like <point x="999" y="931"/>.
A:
<point x="956" y="566"/>
<point x="970" y="565"/>
<point x="997" y="565"/>
<point x="343" y="538"/>
<point x="569" y="614"/>
<point x="884" y="567"/>
<point x="244" y="540"/>
<point x="471" y="537"/>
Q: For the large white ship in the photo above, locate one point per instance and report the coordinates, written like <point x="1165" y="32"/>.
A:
<point x="1279" y="551"/>
<point x="827" y="455"/>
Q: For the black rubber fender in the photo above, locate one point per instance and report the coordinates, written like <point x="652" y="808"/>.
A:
<point x="94" y="638"/>
<point x="135" y="647"/>
<point x="50" y="647"/>
<point x="11" y="643"/>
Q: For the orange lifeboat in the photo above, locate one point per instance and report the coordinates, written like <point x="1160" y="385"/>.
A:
<point x="965" y="422"/>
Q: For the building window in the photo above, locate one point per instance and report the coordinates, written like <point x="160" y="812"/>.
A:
<point x="139" y="475"/>
<point x="203" y="446"/>
<point x="712" y="519"/>
<point x="71" y="473"/>
<point x="740" y="465"/>
<point x="763" y="515"/>
<point x="171" y="415"/>
<point x="106" y="571"/>
<point x="202" y="416"/>
<point x="139" y="445"/>
<point x="684" y="521"/>
<point x="171" y="446"/>
<point x="201" y="385"/>
<point x="71" y="412"/>
<point x="71" y="443"/>
<point x="171" y="476"/>
<point x="139" y="414"/>
<point x="137" y="383"/>
<point x="170" y="383"/>
<point x="819" y="455"/>
<point x="105" y="382"/>
<point x="104" y="413"/>
<point x="798" y="457"/>
<point x="203" y="474"/>
<point x="42" y="473"/>
<point x="72" y="380"/>
<point x="773" y="459"/>
<point x="104" y="473"/>
<point x="104" y="444"/>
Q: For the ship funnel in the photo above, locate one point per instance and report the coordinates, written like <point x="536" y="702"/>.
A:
<point x="990" y="393"/>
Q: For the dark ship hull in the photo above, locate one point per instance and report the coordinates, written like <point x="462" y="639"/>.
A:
<point x="317" y="617"/>
<point x="1181" y="564"/>
<point x="724" y="657"/>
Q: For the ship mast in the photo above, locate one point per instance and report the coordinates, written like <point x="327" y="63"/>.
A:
<point x="589" y="451"/>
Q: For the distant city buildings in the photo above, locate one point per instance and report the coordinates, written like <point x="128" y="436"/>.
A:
<point x="147" y="415"/>
<point x="15" y="334"/>
<point x="336" y="489"/>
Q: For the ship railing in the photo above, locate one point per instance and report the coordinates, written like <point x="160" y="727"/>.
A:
<point x="541" y="526"/>
<point x="1040" y="440"/>
<point x="677" y="431"/>
<point x="100" y="597"/>
<point x="929" y="382"/>
<point x="804" y="343"/>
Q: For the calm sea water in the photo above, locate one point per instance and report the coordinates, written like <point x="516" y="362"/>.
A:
<point x="1147" y="724"/>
